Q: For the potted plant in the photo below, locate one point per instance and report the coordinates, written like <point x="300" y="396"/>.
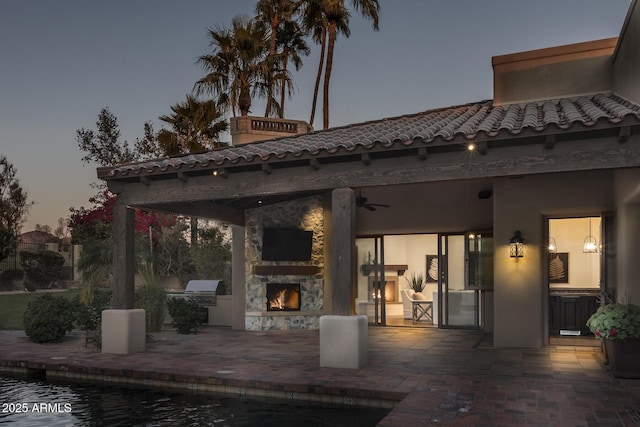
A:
<point x="618" y="326"/>
<point x="416" y="282"/>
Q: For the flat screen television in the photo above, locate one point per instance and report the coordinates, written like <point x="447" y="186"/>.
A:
<point x="286" y="244"/>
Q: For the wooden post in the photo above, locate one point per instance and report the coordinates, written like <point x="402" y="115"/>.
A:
<point x="343" y="249"/>
<point x="123" y="257"/>
<point x="238" y="281"/>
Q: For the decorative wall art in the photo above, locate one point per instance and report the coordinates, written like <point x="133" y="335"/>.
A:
<point x="432" y="269"/>
<point x="559" y="267"/>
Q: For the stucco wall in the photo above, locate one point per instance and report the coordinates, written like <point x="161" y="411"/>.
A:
<point x="628" y="234"/>
<point x="520" y="289"/>
<point x="626" y="65"/>
<point x="555" y="72"/>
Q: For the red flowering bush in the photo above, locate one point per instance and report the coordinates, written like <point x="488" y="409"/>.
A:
<point x="95" y="223"/>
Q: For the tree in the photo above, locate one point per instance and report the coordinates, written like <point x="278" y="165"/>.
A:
<point x="273" y="13"/>
<point x="195" y="127"/>
<point x="95" y="223"/>
<point x="314" y="22"/>
<point x="333" y="17"/>
<point x="236" y="68"/>
<point x="211" y="256"/>
<point x="13" y="207"/>
<point x="43" y="228"/>
<point x="62" y="230"/>
<point x="104" y="147"/>
<point x="290" y="38"/>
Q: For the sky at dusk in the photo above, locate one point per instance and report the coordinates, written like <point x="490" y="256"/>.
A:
<point x="62" y="61"/>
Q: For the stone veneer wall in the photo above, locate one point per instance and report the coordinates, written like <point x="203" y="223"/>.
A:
<point x="306" y="214"/>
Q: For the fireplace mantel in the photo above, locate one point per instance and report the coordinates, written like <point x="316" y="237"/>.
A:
<point x="286" y="270"/>
<point x="400" y="268"/>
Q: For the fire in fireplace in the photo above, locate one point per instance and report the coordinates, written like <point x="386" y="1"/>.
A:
<point x="283" y="296"/>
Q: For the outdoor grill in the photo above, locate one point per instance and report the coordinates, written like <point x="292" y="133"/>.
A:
<point x="201" y="291"/>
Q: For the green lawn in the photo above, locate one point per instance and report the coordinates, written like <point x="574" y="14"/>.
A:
<point x="12" y="307"/>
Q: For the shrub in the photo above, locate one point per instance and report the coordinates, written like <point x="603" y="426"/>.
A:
<point x="10" y="279"/>
<point x="42" y="267"/>
<point x="186" y="314"/>
<point x="152" y="298"/>
<point x="48" y="318"/>
<point x="89" y="315"/>
<point x="617" y="321"/>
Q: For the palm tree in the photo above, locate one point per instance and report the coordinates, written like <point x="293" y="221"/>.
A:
<point x="235" y="69"/>
<point x="314" y="23"/>
<point x="273" y="13"/>
<point x="195" y="127"/>
<point x="328" y="18"/>
<point x="291" y="39"/>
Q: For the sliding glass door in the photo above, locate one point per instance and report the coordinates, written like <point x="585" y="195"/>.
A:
<point x="371" y="273"/>
<point x="466" y="269"/>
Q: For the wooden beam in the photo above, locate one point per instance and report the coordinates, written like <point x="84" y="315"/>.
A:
<point x="266" y="168"/>
<point x="579" y="155"/>
<point x="286" y="270"/>
<point x="366" y="159"/>
<point x="123" y="269"/>
<point x="481" y="147"/>
<point x="343" y="257"/>
<point x="315" y="164"/>
<point x="183" y="177"/>
<point x="422" y="153"/>
<point x="202" y="209"/>
<point x="625" y="132"/>
<point x="549" y="141"/>
<point x="145" y="180"/>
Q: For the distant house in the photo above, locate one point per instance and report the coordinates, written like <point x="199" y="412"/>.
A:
<point x="37" y="238"/>
<point x="552" y="162"/>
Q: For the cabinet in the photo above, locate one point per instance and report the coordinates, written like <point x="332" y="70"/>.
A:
<point x="571" y="312"/>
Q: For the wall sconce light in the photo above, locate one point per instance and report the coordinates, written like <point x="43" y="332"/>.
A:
<point x="553" y="247"/>
<point x="516" y="245"/>
<point x="590" y="245"/>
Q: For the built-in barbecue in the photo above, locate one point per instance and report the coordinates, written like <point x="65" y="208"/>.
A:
<point x="203" y="292"/>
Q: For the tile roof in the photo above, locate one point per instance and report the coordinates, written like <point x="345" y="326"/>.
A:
<point x="479" y="120"/>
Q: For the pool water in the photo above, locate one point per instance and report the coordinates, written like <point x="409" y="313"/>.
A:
<point x="26" y="402"/>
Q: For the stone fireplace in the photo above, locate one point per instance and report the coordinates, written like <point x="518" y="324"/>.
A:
<point x="305" y="277"/>
<point x="283" y="297"/>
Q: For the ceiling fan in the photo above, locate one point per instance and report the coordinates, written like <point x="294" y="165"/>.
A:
<point x="363" y="202"/>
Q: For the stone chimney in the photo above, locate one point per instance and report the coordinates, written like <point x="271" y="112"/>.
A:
<point x="563" y="71"/>
<point x="246" y="129"/>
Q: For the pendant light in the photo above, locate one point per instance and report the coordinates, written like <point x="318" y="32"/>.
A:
<point x="590" y="243"/>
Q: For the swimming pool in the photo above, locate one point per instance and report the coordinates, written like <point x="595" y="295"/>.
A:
<point x="28" y="402"/>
